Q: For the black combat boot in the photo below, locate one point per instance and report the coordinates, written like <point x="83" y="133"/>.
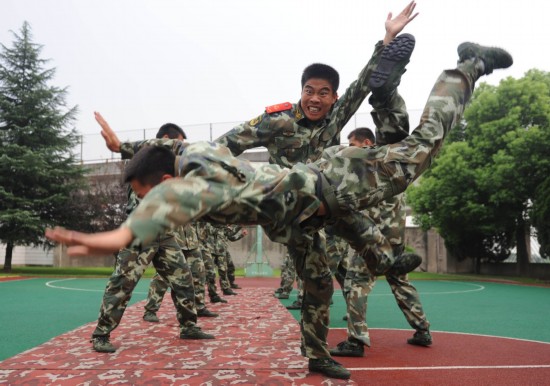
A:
<point x="493" y="58"/>
<point x="387" y="75"/>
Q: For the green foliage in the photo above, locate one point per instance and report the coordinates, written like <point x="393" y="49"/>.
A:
<point x="494" y="176"/>
<point x="37" y="171"/>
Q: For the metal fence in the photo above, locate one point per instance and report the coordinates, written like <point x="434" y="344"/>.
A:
<point x="92" y="148"/>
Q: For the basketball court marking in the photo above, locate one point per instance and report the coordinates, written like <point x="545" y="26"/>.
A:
<point x="53" y="284"/>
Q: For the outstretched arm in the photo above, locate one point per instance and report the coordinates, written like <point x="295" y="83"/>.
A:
<point x="111" y="139"/>
<point x="87" y="244"/>
<point x="396" y="24"/>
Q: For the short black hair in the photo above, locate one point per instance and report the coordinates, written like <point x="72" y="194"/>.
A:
<point x="149" y="165"/>
<point x="321" y="71"/>
<point x="171" y="130"/>
<point x="362" y="133"/>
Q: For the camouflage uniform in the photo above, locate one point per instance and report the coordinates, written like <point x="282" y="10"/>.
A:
<point x="337" y="252"/>
<point x="206" y="233"/>
<point x="291" y="138"/>
<point x="285" y="201"/>
<point x="130" y="264"/>
<point x="189" y="243"/>
<point x="219" y="254"/>
<point x="288" y="277"/>
<point x="164" y="252"/>
<point x="233" y="234"/>
<point x="392" y="125"/>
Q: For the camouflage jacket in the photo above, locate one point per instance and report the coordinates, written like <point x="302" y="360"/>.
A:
<point x="228" y="190"/>
<point x="289" y="136"/>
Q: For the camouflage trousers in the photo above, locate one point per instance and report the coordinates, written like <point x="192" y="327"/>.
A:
<point x="358" y="285"/>
<point x="230" y="268"/>
<point x="337" y="254"/>
<point x="288" y="277"/>
<point x="158" y="286"/>
<point x="168" y="260"/>
<point x="221" y="263"/>
<point x="210" y="272"/>
<point x="311" y="265"/>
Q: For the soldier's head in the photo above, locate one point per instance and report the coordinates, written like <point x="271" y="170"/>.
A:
<point x="171" y="131"/>
<point x="361" y="137"/>
<point x="148" y="168"/>
<point x="319" y="90"/>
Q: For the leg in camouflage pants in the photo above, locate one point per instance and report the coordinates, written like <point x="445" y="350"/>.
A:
<point x="221" y="263"/>
<point x="210" y="268"/>
<point x="312" y="267"/>
<point x="129" y="267"/>
<point x="288" y="275"/>
<point x="158" y="286"/>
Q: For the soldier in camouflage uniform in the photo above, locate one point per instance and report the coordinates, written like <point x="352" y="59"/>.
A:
<point x="392" y="122"/>
<point x="130" y="264"/>
<point x="292" y="205"/>
<point x="221" y="254"/>
<point x="235" y="233"/>
<point x="298" y="133"/>
<point x="189" y="243"/>
<point x="207" y="233"/>
<point x="219" y="250"/>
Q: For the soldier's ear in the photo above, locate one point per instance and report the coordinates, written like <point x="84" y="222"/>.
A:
<point x="166" y="177"/>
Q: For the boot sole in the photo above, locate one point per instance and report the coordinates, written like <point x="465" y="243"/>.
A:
<point x="395" y="53"/>
<point x="347" y="354"/>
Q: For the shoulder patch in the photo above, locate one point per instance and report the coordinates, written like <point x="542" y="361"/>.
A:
<point x="278" y="107"/>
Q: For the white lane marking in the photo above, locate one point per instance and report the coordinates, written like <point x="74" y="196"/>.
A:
<point x="451" y="332"/>
<point x="477" y="288"/>
<point x="52" y="284"/>
<point x="448" y="368"/>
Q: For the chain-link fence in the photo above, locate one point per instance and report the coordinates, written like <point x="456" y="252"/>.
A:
<point x="92" y="146"/>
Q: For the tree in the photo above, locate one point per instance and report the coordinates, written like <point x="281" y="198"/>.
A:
<point x="482" y="190"/>
<point x="38" y="173"/>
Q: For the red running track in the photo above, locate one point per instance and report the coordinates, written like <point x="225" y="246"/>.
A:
<point x="257" y="343"/>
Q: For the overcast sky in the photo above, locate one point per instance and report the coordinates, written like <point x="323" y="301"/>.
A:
<point x="143" y="63"/>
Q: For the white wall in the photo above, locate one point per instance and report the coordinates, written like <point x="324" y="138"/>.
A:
<point x="28" y="256"/>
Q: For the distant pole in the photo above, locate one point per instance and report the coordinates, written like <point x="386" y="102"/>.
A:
<point x="258" y="267"/>
<point x="210" y="131"/>
<point x="81" y="149"/>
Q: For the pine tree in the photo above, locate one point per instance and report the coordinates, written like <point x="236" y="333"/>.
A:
<point x="38" y="172"/>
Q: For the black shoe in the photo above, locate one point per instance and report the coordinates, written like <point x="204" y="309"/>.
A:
<point x="206" y="312"/>
<point x="387" y="75"/>
<point x="405" y="263"/>
<point x="217" y="299"/>
<point x="235" y="286"/>
<point x="229" y="291"/>
<point x="295" y="306"/>
<point x="421" y="338"/>
<point x="492" y="57"/>
<point x="278" y="291"/>
<point x="195" y="333"/>
<point x="282" y="295"/>
<point x="348" y="348"/>
<point x="150" y="317"/>
<point x="345" y="318"/>
<point x="102" y="344"/>
<point x="329" y="367"/>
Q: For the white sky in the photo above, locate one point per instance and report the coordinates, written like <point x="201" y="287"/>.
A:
<point x="142" y="63"/>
